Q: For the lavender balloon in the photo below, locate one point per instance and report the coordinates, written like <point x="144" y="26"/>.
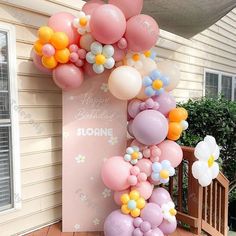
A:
<point x="117" y="224"/>
<point x="150" y="127"/>
<point x="155" y="232"/>
<point x="166" y="102"/>
<point x="160" y="196"/>
<point x="167" y="227"/>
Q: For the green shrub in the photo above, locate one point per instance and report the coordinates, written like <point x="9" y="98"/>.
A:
<point x="216" y="117"/>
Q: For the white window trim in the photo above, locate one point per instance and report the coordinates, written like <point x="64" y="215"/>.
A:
<point x="15" y="137"/>
<point x="220" y="74"/>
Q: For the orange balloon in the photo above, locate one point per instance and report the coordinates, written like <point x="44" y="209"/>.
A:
<point x="63" y="55"/>
<point x="175" y="131"/>
<point x="45" y="34"/>
<point x="178" y="114"/>
<point x="60" y="40"/>
<point x="184" y="112"/>
<point x="38" y="47"/>
<point x="49" y="62"/>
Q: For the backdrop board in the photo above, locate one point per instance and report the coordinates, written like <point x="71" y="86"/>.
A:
<point x="94" y="129"/>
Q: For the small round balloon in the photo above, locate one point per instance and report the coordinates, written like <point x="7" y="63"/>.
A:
<point x="125" y="82"/>
<point x="107" y="24"/>
<point x="168" y="227"/>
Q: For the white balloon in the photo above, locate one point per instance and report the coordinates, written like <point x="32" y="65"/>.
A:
<point x="215" y="170"/>
<point x="171" y="70"/>
<point x="110" y="62"/>
<point x="205" y="179"/>
<point x="148" y="66"/>
<point x="108" y="51"/>
<point x="99" y="69"/>
<point x="184" y="124"/>
<point x="90" y="58"/>
<point x="125" y="82"/>
<point x="96" y="48"/>
<point x="202" y="151"/>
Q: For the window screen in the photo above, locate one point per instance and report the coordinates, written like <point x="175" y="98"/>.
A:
<point x="6" y="200"/>
<point x="226" y="86"/>
<point x="211" y="84"/>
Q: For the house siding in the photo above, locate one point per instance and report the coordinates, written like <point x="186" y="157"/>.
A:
<point x="41" y="101"/>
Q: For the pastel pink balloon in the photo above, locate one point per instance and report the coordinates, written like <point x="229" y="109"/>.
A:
<point x="122" y="43"/>
<point x="134" y="107"/>
<point x="167" y="103"/>
<point x="142" y="33"/>
<point x="63" y="22"/>
<point x="119" y="54"/>
<point x="129" y="128"/>
<point x="153" y="214"/>
<point x="144" y="188"/>
<point x="172" y="152"/>
<point x="154" y="232"/>
<point x="107" y="24"/>
<point x="68" y="76"/>
<point x="138" y="144"/>
<point x="115" y="173"/>
<point x="168" y="228"/>
<point x="160" y="196"/>
<point x="128" y="7"/>
<point x="38" y="63"/>
<point x="145" y="166"/>
<point x="48" y="50"/>
<point x="117" y="196"/>
<point x="91" y="5"/>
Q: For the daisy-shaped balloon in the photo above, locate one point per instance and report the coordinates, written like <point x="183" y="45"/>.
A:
<point x="101" y="57"/>
<point x="155" y="83"/>
<point x="206" y="169"/>
<point x="133" y="155"/>
<point x="169" y="212"/>
<point x="135" y="60"/>
<point x="81" y="23"/>
<point x="161" y="172"/>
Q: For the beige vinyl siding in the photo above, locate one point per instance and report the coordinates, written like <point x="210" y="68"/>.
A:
<point x="40" y="101"/>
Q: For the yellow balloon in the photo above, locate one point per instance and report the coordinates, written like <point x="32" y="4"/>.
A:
<point x="49" y="62"/>
<point x="60" y="40"/>
<point x="136" y="212"/>
<point x="141" y="203"/>
<point x="134" y="195"/>
<point x="45" y="34"/>
<point x="125" y="209"/>
<point x="63" y="55"/>
<point x="38" y="48"/>
<point x="125" y="198"/>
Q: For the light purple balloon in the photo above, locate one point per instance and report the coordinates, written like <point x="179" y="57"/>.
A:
<point x="166" y="101"/>
<point x="150" y="127"/>
<point x="160" y="196"/>
<point x="137" y="232"/>
<point x="155" y="232"/>
<point x="48" y="50"/>
<point x="153" y="214"/>
<point x="168" y="228"/>
<point x="117" y="224"/>
<point x="134" y="107"/>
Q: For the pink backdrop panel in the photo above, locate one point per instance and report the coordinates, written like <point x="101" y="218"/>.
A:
<point x="94" y="129"/>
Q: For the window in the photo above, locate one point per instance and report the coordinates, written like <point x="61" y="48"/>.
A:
<point x="217" y="83"/>
<point x="9" y="156"/>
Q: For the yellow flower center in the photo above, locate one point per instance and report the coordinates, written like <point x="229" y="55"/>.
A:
<point x="136" y="57"/>
<point x="100" y="59"/>
<point x="164" y="174"/>
<point x="135" y="155"/>
<point x="173" y="212"/>
<point x="147" y="53"/>
<point x="211" y="161"/>
<point x="157" y="84"/>
<point x="83" y="21"/>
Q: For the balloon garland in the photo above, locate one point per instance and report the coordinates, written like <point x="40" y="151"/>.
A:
<point x="116" y="37"/>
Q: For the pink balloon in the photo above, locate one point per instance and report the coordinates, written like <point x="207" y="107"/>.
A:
<point x="138" y="144"/>
<point x="168" y="228"/>
<point x="91" y="5"/>
<point x="155" y="232"/>
<point x="144" y="188"/>
<point x="38" y="63"/>
<point x="145" y="166"/>
<point x="119" y="54"/>
<point x="160" y="196"/>
<point x="68" y="76"/>
<point x="153" y="214"/>
<point x="172" y="152"/>
<point x="128" y="7"/>
<point x="134" y="107"/>
<point x="142" y="33"/>
<point x="48" y="50"/>
<point x="63" y="22"/>
<point x="115" y="173"/>
<point x="129" y="128"/>
<point x="117" y="196"/>
<point x="107" y="24"/>
<point x="166" y="102"/>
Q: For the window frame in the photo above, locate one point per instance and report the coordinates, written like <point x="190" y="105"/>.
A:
<point x="14" y="119"/>
<point x="220" y="74"/>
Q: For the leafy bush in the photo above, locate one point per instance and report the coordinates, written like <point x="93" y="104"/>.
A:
<point x="216" y="117"/>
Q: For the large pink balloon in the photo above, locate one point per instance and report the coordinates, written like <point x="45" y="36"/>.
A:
<point x="160" y="196"/>
<point x="63" y="22"/>
<point x="166" y="101"/>
<point x="150" y="127"/>
<point x="167" y="227"/>
<point x="144" y="188"/>
<point x="91" y="5"/>
<point x="142" y="33"/>
<point x="68" y="76"/>
<point x="172" y="152"/>
<point x="128" y="7"/>
<point x="38" y="63"/>
<point x="107" y="24"/>
<point x="115" y="172"/>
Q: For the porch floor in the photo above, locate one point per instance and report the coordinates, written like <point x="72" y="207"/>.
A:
<point x="55" y="230"/>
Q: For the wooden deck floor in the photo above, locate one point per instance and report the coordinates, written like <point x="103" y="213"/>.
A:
<point x="55" y="230"/>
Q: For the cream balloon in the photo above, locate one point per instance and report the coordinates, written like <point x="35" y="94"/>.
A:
<point x="141" y="95"/>
<point x="125" y="82"/>
<point x="171" y="70"/>
<point x="148" y="66"/>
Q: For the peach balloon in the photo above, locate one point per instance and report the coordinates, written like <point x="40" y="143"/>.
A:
<point x="145" y="189"/>
<point x="85" y="41"/>
<point x="145" y="166"/>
